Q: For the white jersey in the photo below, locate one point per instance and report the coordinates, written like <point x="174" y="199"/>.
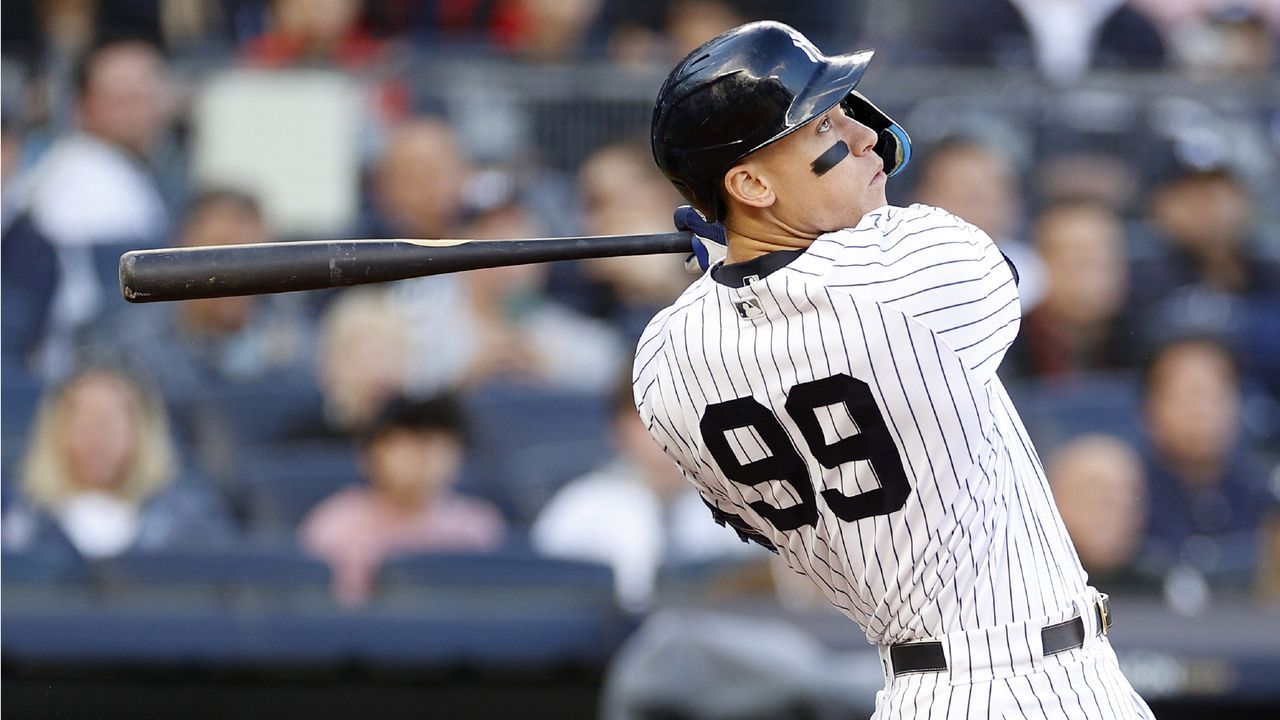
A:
<point x="841" y="406"/>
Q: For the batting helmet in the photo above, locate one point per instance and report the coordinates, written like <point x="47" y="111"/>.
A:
<point x="746" y="88"/>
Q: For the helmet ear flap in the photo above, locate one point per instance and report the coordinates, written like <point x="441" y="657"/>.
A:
<point x="893" y="145"/>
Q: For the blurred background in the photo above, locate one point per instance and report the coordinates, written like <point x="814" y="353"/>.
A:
<point x="432" y="498"/>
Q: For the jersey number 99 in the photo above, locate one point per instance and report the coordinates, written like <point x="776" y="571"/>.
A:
<point x="872" y="443"/>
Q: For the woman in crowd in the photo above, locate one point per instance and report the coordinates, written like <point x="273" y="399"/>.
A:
<point x="101" y="472"/>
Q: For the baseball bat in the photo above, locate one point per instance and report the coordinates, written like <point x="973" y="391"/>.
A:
<point x="262" y="268"/>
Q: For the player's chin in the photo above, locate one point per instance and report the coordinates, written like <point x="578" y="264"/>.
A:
<point x="874" y="197"/>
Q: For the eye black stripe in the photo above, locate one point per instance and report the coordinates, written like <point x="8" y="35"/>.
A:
<point x="828" y="159"/>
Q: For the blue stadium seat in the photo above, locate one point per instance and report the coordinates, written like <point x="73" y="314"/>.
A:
<point x="272" y="574"/>
<point x="484" y="579"/>
<point x="508" y="423"/>
<point x="510" y="606"/>
<point x="19" y="397"/>
<point x="264" y="412"/>
<point x="41" y="568"/>
<point x="283" y="482"/>
<point x="1056" y="411"/>
<point x="538" y="471"/>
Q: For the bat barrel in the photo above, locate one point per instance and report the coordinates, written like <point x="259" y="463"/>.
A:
<point x="221" y="271"/>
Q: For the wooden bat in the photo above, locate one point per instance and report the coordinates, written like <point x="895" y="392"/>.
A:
<point x="256" y="269"/>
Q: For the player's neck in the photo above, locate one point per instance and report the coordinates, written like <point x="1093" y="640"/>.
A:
<point x="752" y="243"/>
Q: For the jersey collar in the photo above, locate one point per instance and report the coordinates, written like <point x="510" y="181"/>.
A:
<point x="734" y="275"/>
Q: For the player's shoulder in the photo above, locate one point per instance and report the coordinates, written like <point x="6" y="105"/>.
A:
<point x="658" y="326"/>
<point x="891" y="222"/>
<point x="657" y="335"/>
<point x="888" y="232"/>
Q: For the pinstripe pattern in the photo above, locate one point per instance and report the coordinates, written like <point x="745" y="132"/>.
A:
<point x="920" y="307"/>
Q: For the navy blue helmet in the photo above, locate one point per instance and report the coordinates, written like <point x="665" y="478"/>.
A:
<point x="746" y="88"/>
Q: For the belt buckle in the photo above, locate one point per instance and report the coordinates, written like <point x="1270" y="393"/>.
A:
<point x="1104" y="612"/>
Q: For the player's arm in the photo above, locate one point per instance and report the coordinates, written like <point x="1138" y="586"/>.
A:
<point x="647" y="385"/>
<point x="940" y="270"/>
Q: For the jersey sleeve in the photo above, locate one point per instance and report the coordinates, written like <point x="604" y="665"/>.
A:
<point x="648" y="378"/>
<point x="938" y="269"/>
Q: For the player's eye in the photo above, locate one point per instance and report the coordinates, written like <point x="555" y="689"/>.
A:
<point x="824" y="125"/>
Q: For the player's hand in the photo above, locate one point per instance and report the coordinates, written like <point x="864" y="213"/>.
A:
<point x="709" y="241"/>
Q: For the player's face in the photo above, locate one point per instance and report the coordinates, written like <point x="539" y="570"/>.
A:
<point x="820" y="189"/>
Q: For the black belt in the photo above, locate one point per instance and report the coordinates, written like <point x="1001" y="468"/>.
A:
<point x="1067" y="635"/>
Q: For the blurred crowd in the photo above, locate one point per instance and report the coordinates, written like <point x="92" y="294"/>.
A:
<point x="421" y="416"/>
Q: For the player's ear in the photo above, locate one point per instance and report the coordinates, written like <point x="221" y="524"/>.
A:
<point x="746" y="184"/>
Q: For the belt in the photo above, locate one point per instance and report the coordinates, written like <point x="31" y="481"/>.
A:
<point x="928" y="656"/>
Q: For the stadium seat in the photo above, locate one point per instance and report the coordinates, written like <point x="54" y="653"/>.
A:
<point x="283" y="482"/>
<point x="506" y="605"/>
<point x="273" y="574"/>
<point x="264" y="412"/>
<point x="502" y="574"/>
<point x="538" y="471"/>
<point x="1056" y="411"/>
<point x="517" y="435"/>
<point x="35" y="568"/>
<point x="44" y="578"/>
<point x="20" y="398"/>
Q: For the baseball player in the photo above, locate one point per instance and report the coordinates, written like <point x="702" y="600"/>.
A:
<point x="829" y="387"/>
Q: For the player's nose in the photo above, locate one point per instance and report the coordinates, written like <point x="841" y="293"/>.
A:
<point x="861" y="139"/>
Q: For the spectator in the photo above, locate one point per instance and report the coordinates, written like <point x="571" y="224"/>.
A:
<point x="96" y="187"/>
<point x="1208" y="494"/>
<point x="551" y="30"/>
<point x="979" y="184"/>
<point x="622" y="192"/>
<point x="199" y="346"/>
<point x="634" y="513"/>
<point x="101" y="469"/>
<point x="10" y="152"/>
<point x="363" y="359"/>
<point x="1174" y="14"/>
<point x="419" y="181"/>
<point x="326" y="32"/>
<point x="1218" y="38"/>
<point x="1210" y="271"/>
<point x="1100" y="489"/>
<point x="689" y="23"/>
<point x="498" y="325"/>
<point x="1234" y="41"/>
<point x="1268" y="590"/>
<point x="329" y="34"/>
<point x="1205" y="217"/>
<point x="653" y="35"/>
<point x="1062" y="39"/>
<point x="412" y="456"/>
<point x="1100" y="177"/>
<point x="1079" y="326"/>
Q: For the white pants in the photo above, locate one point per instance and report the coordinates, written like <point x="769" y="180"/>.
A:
<point x="1082" y="683"/>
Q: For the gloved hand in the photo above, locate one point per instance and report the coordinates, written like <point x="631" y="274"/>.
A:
<point x="709" y="241"/>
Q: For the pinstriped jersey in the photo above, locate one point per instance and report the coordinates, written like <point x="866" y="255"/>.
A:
<point x="840" y="406"/>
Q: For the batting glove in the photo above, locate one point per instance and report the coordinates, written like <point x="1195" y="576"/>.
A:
<point x="709" y="242"/>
